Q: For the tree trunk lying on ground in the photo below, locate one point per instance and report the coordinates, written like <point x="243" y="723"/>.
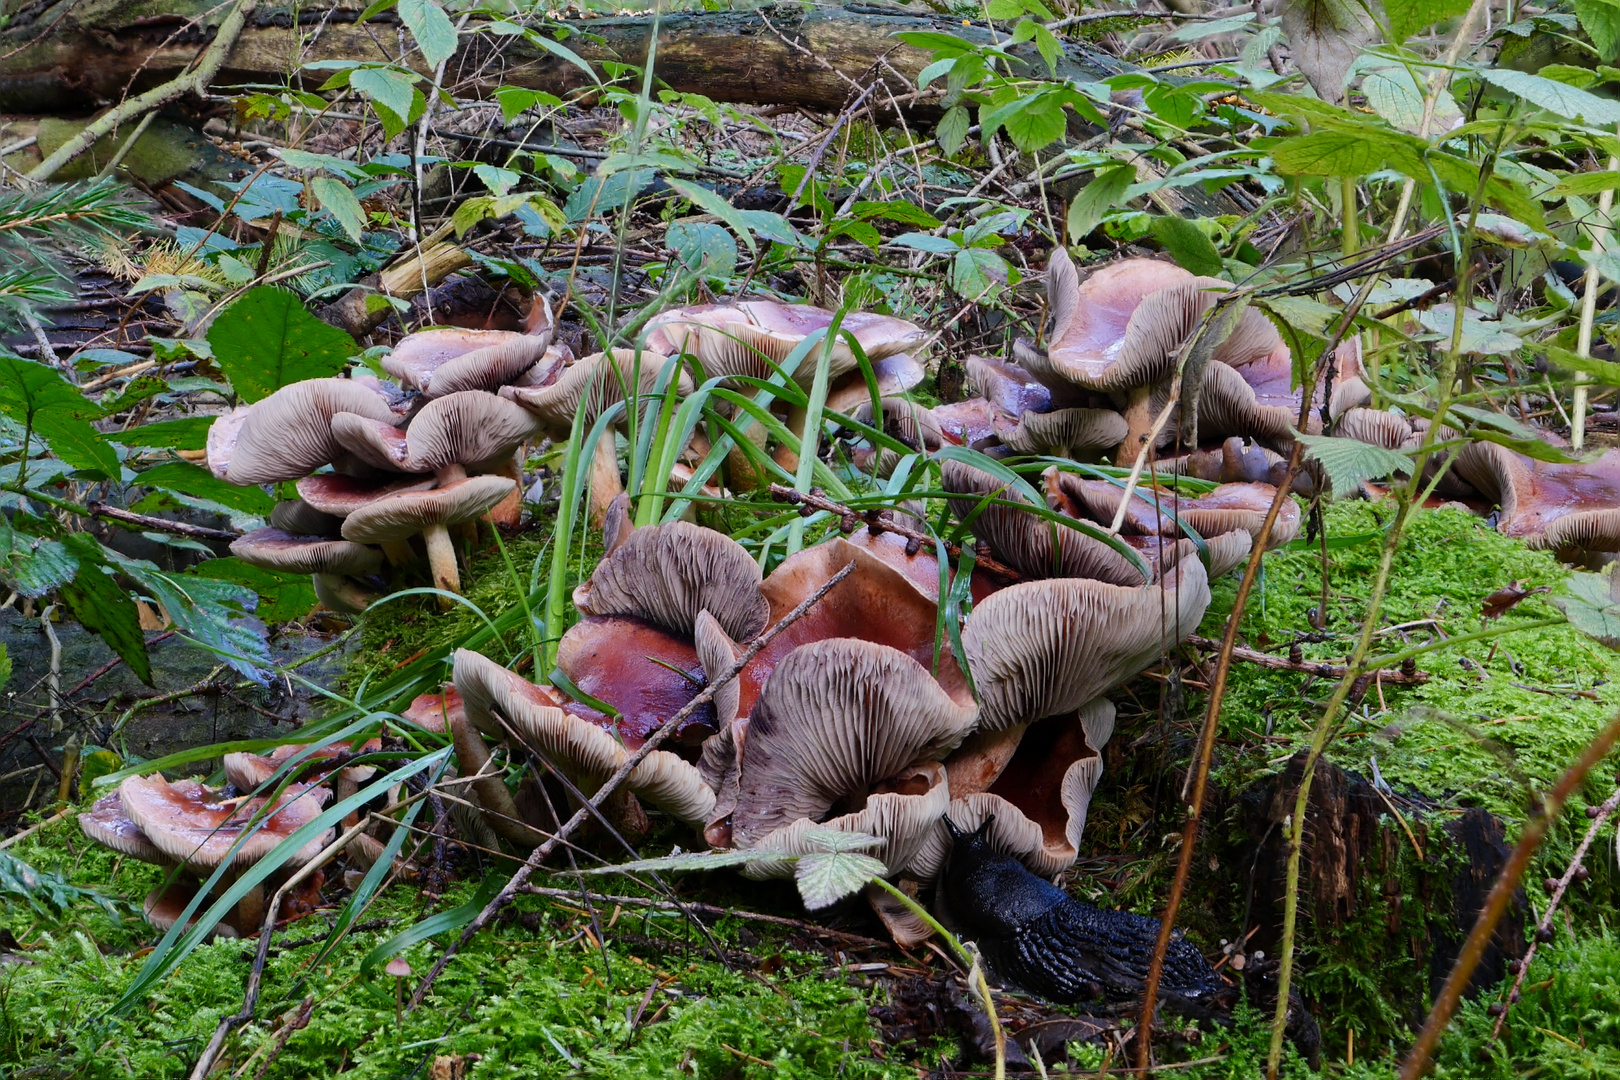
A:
<point x="77" y="56"/>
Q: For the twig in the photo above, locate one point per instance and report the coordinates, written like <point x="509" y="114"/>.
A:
<point x="1535" y="830"/>
<point x="709" y="909"/>
<point x="157" y="524"/>
<point x="53" y="681"/>
<point x="539" y="854"/>
<point x="32" y="829"/>
<point x="851" y="519"/>
<point x="1389" y="676"/>
<point x="194" y="81"/>
<point x="1598" y="820"/>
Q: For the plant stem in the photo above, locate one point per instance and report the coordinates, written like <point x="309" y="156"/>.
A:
<point x="1590" y="287"/>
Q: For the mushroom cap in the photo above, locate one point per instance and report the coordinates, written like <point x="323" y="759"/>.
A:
<point x="1568" y="507"/>
<point x="973" y="422"/>
<point x="894" y="375"/>
<point x="433" y="712"/>
<point x="274" y="549"/>
<point x="165" y="904"/>
<point x="222" y="436"/>
<point x="403" y="515"/>
<point x="1007" y="386"/>
<point x="1375" y="426"/>
<point x="667" y="574"/>
<point x="902" y="819"/>
<point x="738" y="339"/>
<point x="644" y="673"/>
<point x="288" y="435"/>
<point x="452" y="360"/>
<point x="600" y="380"/>
<point x="468" y="427"/>
<point x="1228" y="405"/>
<point x="1045" y="648"/>
<point x="248" y="772"/>
<point x="107" y="824"/>
<point x="191" y="824"/>
<point x="297" y="517"/>
<point x="586" y="753"/>
<point x="1032" y="546"/>
<point x="1067" y="432"/>
<point x="718" y="654"/>
<point x="341" y="496"/>
<point x="835" y="718"/>
<point x="1156" y="512"/>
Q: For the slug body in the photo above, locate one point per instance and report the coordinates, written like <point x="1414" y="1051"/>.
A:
<point x="1037" y="937"/>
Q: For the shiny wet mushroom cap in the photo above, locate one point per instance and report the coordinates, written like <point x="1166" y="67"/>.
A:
<point x="107" y="824"/>
<point x="600" y="380"/>
<point x="667" y="574"/>
<point x="451" y="360"/>
<point x="288" y="435"/>
<point x="340" y="496"/>
<point x="297" y="517"/>
<point x="192" y="824"/>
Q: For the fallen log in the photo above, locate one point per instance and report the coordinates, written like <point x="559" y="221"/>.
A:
<point x="78" y="56"/>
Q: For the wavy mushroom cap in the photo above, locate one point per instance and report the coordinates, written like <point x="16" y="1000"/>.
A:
<point x="288" y="435"/>
<point x="1160" y="512"/>
<point x="834" y="719"/>
<point x="107" y="824"/>
<point x="975" y="422"/>
<point x="452" y="360"/>
<point x="274" y="549"/>
<point x="902" y="814"/>
<point x="1387" y="429"/>
<point x="433" y="712"/>
<point x="192" y="824"/>
<point x="1229" y="406"/>
<point x="1567" y="507"/>
<point x="750" y="338"/>
<point x="297" y="517"/>
<point x="469" y="427"/>
<point x="1070" y="433"/>
<point x="1034" y="547"/>
<point x="341" y="496"/>
<point x="583" y="751"/>
<point x="1045" y="648"/>
<point x="601" y="380"/>
<point x="222" y="436"/>
<point x="894" y="375"/>
<point x="403" y="515"/>
<point x="667" y="574"/>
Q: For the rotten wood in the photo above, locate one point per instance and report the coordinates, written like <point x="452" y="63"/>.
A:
<point x="1386" y="676"/>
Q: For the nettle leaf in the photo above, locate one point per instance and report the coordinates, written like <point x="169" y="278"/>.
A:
<point x="703" y="247"/>
<point x="1334" y="152"/>
<point x="105" y="607"/>
<point x="1406" y="17"/>
<point x="336" y="199"/>
<point x="1479" y="335"/>
<point x="27" y="387"/>
<point x="1591" y="602"/>
<point x="826" y="877"/>
<point x="77" y="442"/>
<point x="498" y="180"/>
<point x="977" y="273"/>
<point x="952" y="129"/>
<point x="1188" y="245"/>
<point x="266" y="340"/>
<point x="1395" y="95"/>
<point x="1349" y="462"/>
<point x="1325" y="37"/>
<point x="1099" y="198"/>
<point x="906" y="213"/>
<point x="189" y="433"/>
<point x="1601" y="21"/>
<point x="216" y="614"/>
<point x="1556" y="97"/>
<point x="435" y="34"/>
<point x="393" y="90"/>
<point x="34" y="565"/>
<point x="282" y="597"/>
<point x="199" y="483"/>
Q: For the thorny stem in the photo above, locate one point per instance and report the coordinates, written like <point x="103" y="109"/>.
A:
<point x="539" y="854"/>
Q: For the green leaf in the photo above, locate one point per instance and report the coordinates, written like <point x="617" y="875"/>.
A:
<point x="33" y="565"/>
<point x="435" y="34"/>
<point x="266" y="340"/>
<point x="5" y="667"/>
<point x="1606" y="372"/>
<point x="393" y="90"/>
<point x="1591" y="602"/>
<point x="714" y="204"/>
<point x="952" y="129"/>
<point x="193" y="480"/>
<point x="1480" y="335"/>
<point x="857" y="230"/>
<point x="1332" y="153"/>
<point x="189" y="433"/>
<point x="1407" y="17"/>
<point x="26" y="388"/>
<point x="104" y="607"/>
<point x="703" y="247"/>
<point x="1349" y="462"/>
<point x="1556" y="97"/>
<point x="282" y="597"/>
<point x="78" y="443"/>
<point x="1098" y="199"/>
<point x="906" y="213"/>
<point x="977" y="273"/>
<point x="216" y="614"/>
<point x="689" y="860"/>
<point x="826" y="877"/>
<point x="1036" y="128"/>
<point x="1188" y="245"/>
<point x="336" y="199"/>
<point x="1601" y="21"/>
<point x="937" y="245"/>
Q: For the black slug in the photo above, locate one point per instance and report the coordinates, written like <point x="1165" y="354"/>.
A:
<point x="1037" y="937"/>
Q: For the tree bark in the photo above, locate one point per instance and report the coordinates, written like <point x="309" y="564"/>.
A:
<point x="80" y="55"/>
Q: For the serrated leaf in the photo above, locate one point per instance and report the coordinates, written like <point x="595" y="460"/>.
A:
<point x="104" y="607"/>
<point x="1350" y="462"/>
<point x="266" y="340"/>
<point x="1331" y="153"/>
<point x="826" y="877"/>
<point x="193" y="480"/>
<point x="188" y="433"/>
<point x="936" y="245"/>
<point x="1395" y="95"/>
<point x="393" y="90"/>
<point x="336" y="199"/>
<point x="906" y="213"/>
<point x="216" y="614"/>
<point x="1188" y="245"/>
<point x="435" y="34"/>
<point x="1606" y="372"/>
<point x="282" y="597"/>
<point x="1591" y="604"/>
<point x="1556" y="97"/>
<point x="1480" y="335"/>
<point x="1104" y="194"/>
<point x="689" y="860"/>
<point x="34" y="565"/>
<point x="703" y="247"/>
<point x="1325" y="37"/>
<point x="1406" y="17"/>
<point x="977" y="273"/>
<point x="1601" y="21"/>
<point x="952" y="129"/>
<point x="77" y="442"/>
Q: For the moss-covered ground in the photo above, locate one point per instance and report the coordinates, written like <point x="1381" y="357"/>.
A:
<point x="542" y="995"/>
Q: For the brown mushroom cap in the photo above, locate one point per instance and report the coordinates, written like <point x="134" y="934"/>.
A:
<point x="452" y="360"/>
<point x="835" y="718"/>
<point x="894" y="375"/>
<point x="1375" y="426"/>
<point x="288" y="435"/>
<point x="248" y="772"/>
<point x="729" y="340"/>
<point x="433" y="712"/>
<point x="274" y="549"/>
<point x="1566" y="507"/>
<point x="646" y="674"/>
<point x="1007" y="386"/>
<point x="341" y="496"/>
<point x="667" y="574"/>
<point x="468" y="428"/>
<point x="165" y="904"/>
<point x="1155" y="511"/>
<point x="600" y="380"/>
<point x="974" y="422"/>
<point x="718" y="654"/>
<point x="1045" y="648"/>
<point x="107" y="824"/>
<point x="1032" y="546"/>
<point x="191" y="824"/>
<point x="222" y="436"/>
<point x="403" y="515"/>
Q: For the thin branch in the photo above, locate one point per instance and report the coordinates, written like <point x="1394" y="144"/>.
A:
<point x="1388" y="676"/>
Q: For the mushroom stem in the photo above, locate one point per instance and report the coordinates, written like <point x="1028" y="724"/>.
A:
<point x="450" y="474"/>
<point x="399" y="552"/>
<point x="341" y="594"/>
<point x="442" y="559"/>
<point x="741" y="473"/>
<point x="1139" y="418"/>
<point x="786" y="456"/>
<point x="500" y="809"/>
<point x="250" y="911"/>
<point x="605" y="482"/>
<point x="982" y="757"/>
